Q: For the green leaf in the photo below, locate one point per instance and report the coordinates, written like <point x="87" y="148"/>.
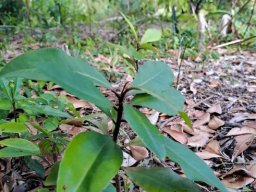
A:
<point x="35" y="109"/>
<point x="12" y="127"/>
<point x="12" y="152"/>
<point x="109" y="188"/>
<point x="160" y="179"/>
<point x="185" y="117"/>
<point x="18" y="145"/>
<point x="194" y="168"/>
<point x="5" y="105"/>
<point x="147" y="46"/>
<point x="4" y="85"/>
<point x="131" y="26"/>
<point x="149" y="134"/>
<point x="169" y="101"/>
<point x="51" y="179"/>
<point x="90" y="161"/>
<point x="73" y="74"/>
<point x="35" y="165"/>
<point x="155" y="78"/>
<point x="151" y="35"/>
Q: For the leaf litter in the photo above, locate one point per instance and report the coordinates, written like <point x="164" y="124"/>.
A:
<point x="220" y="100"/>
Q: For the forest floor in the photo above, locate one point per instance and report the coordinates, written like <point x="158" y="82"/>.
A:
<point x="220" y="100"/>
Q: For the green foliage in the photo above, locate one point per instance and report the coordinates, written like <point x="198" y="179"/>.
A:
<point x="99" y="158"/>
<point x="160" y="179"/>
<point x="190" y="163"/>
<point x="162" y="98"/>
<point x="16" y="147"/>
<point x="99" y="155"/>
<point x="149" y="134"/>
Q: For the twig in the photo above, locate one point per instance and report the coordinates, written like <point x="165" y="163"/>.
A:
<point x="233" y="42"/>
<point x="180" y="64"/>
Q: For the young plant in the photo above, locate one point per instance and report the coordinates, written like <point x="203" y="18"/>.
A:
<point x="92" y="159"/>
<point x="134" y="52"/>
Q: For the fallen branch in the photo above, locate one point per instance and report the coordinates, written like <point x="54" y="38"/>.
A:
<point x="233" y="42"/>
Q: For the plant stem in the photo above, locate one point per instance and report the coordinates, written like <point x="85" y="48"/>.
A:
<point x="182" y="58"/>
<point x="118" y="122"/>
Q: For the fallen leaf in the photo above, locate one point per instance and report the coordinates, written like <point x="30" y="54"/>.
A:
<point x="241" y="117"/>
<point x="192" y="88"/>
<point x="251" y="88"/>
<point x="70" y="129"/>
<point x="138" y="152"/>
<point x="203" y="120"/>
<point x="242" y="143"/>
<point x="128" y="160"/>
<point x="241" y="131"/>
<point x="214" y="83"/>
<point x="198" y="140"/>
<point x="215" y="123"/>
<point x="154" y="117"/>
<point x="204" y="129"/>
<point x="78" y="103"/>
<point x="251" y="124"/>
<point x="213" y="147"/>
<point x="207" y="155"/>
<point x="215" y="109"/>
<point x="237" y="182"/>
<point x="177" y="135"/>
<point x="252" y="170"/>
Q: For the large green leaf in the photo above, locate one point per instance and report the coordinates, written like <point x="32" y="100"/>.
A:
<point x="149" y="134"/>
<point x="73" y="74"/>
<point x="153" y="75"/>
<point x="151" y="35"/>
<point x="5" y="104"/>
<point x="194" y="168"/>
<point x="15" y="146"/>
<point x="169" y="101"/>
<point x="12" y="127"/>
<point x="154" y="79"/>
<point x="90" y="161"/>
<point x="160" y="179"/>
<point x="109" y="188"/>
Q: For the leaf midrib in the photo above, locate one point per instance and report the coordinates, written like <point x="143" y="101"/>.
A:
<point x="91" y="165"/>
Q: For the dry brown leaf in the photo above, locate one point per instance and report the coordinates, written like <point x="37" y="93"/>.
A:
<point x="78" y="103"/>
<point x="154" y="117"/>
<point x="207" y="155"/>
<point x="204" y="129"/>
<point x="241" y="131"/>
<point x="202" y="120"/>
<point x="70" y="129"/>
<point x="128" y="160"/>
<point x="215" y="109"/>
<point x="177" y="135"/>
<point x="242" y="143"/>
<point x="138" y="152"/>
<point x="75" y="122"/>
<point x="252" y="170"/>
<point x="251" y="124"/>
<point x="215" y="123"/>
<point x="214" y="83"/>
<point x="213" y="147"/>
<point x="198" y="140"/>
<point x="187" y="129"/>
<point x="241" y="117"/>
<point x="192" y="88"/>
<point x="237" y="182"/>
<point x="251" y="88"/>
